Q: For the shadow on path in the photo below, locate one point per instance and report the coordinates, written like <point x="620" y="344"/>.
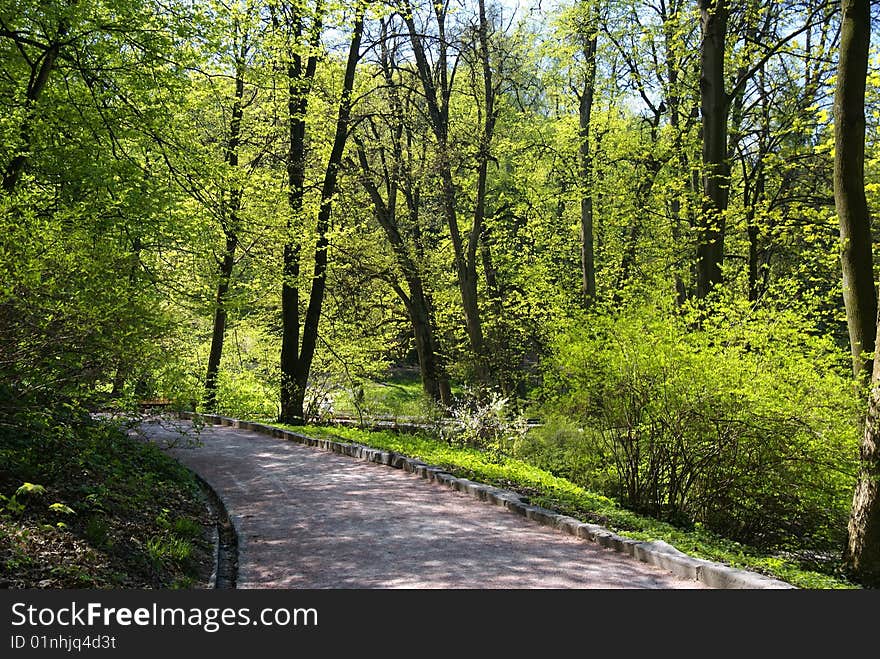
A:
<point x="307" y="518"/>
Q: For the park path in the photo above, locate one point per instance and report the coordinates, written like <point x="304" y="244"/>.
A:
<point x="308" y="518"/>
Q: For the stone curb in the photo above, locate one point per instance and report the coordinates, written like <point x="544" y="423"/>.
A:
<point x="225" y="545"/>
<point x="657" y="553"/>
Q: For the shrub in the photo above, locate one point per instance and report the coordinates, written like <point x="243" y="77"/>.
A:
<point x="244" y="394"/>
<point x="746" y="425"/>
<point x="484" y="421"/>
<point x="575" y="453"/>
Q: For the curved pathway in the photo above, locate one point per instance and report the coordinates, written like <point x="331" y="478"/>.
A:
<point x="307" y="518"/>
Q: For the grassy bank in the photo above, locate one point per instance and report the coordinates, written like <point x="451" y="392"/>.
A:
<point x="85" y="506"/>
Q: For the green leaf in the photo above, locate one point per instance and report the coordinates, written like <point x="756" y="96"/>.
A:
<point x="30" y="489"/>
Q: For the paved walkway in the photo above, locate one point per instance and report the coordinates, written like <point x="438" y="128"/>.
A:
<point x="307" y="518"/>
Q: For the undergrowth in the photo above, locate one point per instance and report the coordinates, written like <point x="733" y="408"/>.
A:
<point x="85" y="506"/>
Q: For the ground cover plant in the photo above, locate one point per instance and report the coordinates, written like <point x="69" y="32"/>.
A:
<point x="647" y="225"/>
<point x="83" y="505"/>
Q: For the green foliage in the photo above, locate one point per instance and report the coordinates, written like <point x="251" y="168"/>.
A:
<point x="164" y="549"/>
<point x="395" y="397"/>
<point x="61" y="509"/>
<point x="242" y="393"/>
<point x="745" y="425"/>
<point x="575" y="453"/>
<point x="12" y="505"/>
<point x="487" y="422"/>
<point x="112" y="492"/>
<point x="30" y="489"/>
<point x="112" y="235"/>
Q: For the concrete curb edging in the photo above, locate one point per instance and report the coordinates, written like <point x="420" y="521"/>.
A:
<point x="224" y="536"/>
<point x="657" y="553"/>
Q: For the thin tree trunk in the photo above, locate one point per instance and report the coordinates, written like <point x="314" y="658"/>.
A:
<point x="415" y="301"/>
<point x="296" y="410"/>
<point x="757" y="267"/>
<point x="218" y="332"/>
<point x="230" y="219"/>
<point x="588" y="263"/>
<point x="859" y="295"/>
<point x="716" y="169"/>
<point x="863" y="546"/>
<point x="437" y="98"/>
<point x="435" y="379"/>
<point x="673" y="104"/>
<point x="469" y="282"/>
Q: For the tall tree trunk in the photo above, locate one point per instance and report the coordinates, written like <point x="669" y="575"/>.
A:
<point x="218" y="332"/>
<point x="230" y="220"/>
<point x="469" y="267"/>
<point x="296" y="409"/>
<point x="435" y="383"/>
<point x="716" y="168"/>
<point x="588" y="261"/>
<point x="859" y="295"/>
<point x="437" y="91"/>
<point x="863" y="546"/>
<point x="758" y="265"/>
<point x="435" y="378"/>
<point x="300" y="76"/>
<point x="669" y="16"/>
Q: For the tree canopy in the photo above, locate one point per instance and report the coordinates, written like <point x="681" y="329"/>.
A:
<point x="644" y="224"/>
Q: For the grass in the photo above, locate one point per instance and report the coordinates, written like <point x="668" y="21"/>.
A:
<point x="111" y="511"/>
<point x="544" y="489"/>
<point x="397" y="398"/>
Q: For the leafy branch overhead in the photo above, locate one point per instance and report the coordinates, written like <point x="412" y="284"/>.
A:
<point x="643" y="226"/>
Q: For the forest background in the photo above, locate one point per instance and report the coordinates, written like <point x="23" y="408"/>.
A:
<point x="641" y="225"/>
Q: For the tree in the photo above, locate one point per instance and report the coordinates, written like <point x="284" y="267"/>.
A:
<point x="859" y="294"/>
<point x="720" y="105"/>
<point x="300" y="72"/>
<point x="85" y="87"/>
<point x="393" y="134"/>
<point x="863" y="547"/>
<point x="589" y="37"/>
<point x="437" y="84"/>
<point x="295" y="368"/>
<point x="230" y="208"/>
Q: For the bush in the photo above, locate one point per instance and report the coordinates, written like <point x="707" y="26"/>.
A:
<point x="484" y="421"/>
<point x="244" y="394"/>
<point x="567" y="451"/>
<point x="746" y="425"/>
